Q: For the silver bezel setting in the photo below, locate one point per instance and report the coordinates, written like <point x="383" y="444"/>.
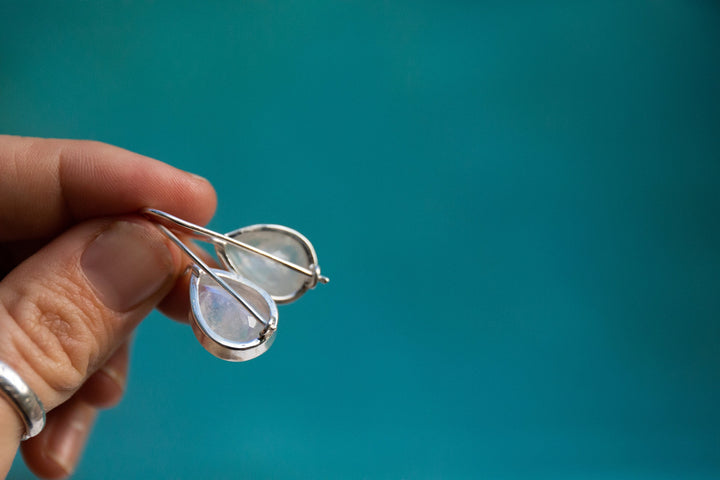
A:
<point x="218" y="345"/>
<point x="300" y="238"/>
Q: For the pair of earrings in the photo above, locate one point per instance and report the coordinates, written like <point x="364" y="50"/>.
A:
<point x="234" y="309"/>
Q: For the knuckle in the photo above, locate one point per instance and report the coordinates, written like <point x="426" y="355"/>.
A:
<point x="57" y="336"/>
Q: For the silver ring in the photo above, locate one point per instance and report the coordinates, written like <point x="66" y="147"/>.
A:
<point x="23" y="400"/>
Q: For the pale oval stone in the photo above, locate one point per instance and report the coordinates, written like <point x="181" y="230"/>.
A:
<point x="224" y="315"/>
<point x="277" y="279"/>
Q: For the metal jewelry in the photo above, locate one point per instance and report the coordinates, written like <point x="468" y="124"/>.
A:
<point x="23" y="400"/>
<point x="234" y="309"/>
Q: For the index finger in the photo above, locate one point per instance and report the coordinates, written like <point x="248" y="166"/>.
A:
<point x="46" y="185"/>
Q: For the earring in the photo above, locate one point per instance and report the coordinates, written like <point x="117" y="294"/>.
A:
<point x="233" y="310"/>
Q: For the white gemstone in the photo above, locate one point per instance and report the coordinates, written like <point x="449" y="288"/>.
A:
<point x="224" y="315"/>
<point x="277" y="279"/>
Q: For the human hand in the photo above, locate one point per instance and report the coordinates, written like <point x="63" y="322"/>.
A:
<point x="79" y="269"/>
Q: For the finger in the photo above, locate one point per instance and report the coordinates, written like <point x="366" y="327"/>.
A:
<point x="105" y="387"/>
<point x="68" y="307"/>
<point x="47" y="185"/>
<point x="55" y="452"/>
<point x="176" y="303"/>
<point x="13" y="253"/>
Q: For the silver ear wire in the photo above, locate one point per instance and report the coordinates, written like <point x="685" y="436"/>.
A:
<point x="216" y="238"/>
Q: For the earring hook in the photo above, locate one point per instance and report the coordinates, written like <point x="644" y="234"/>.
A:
<point x="214" y="237"/>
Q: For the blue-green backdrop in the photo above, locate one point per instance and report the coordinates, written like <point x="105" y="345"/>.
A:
<point x="518" y="204"/>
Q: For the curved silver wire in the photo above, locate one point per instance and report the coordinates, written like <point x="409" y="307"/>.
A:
<point x="204" y="233"/>
<point x="198" y="262"/>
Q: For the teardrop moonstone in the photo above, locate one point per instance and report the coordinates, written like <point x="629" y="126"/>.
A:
<point x="224" y="315"/>
<point x="277" y="279"/>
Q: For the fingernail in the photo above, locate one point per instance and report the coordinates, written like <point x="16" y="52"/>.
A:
<point x="126" y="264"/>
<point x="69" y="436"/>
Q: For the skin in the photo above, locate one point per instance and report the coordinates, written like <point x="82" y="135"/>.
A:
<point x="62" y="332"/>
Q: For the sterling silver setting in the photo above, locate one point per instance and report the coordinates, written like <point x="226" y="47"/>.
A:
<point x="310" y="269"/>
<point x="233" y="310"/>
<point x="222" y="346"/>
<point x="23" y="400"/>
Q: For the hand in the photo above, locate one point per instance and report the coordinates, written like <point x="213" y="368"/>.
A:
<point x="79" y="269"/>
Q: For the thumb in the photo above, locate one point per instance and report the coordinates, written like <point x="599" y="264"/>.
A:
<point x="68" y="307"/>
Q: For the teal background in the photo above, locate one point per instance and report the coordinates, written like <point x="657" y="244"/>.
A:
<point x="517" y="202"/>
